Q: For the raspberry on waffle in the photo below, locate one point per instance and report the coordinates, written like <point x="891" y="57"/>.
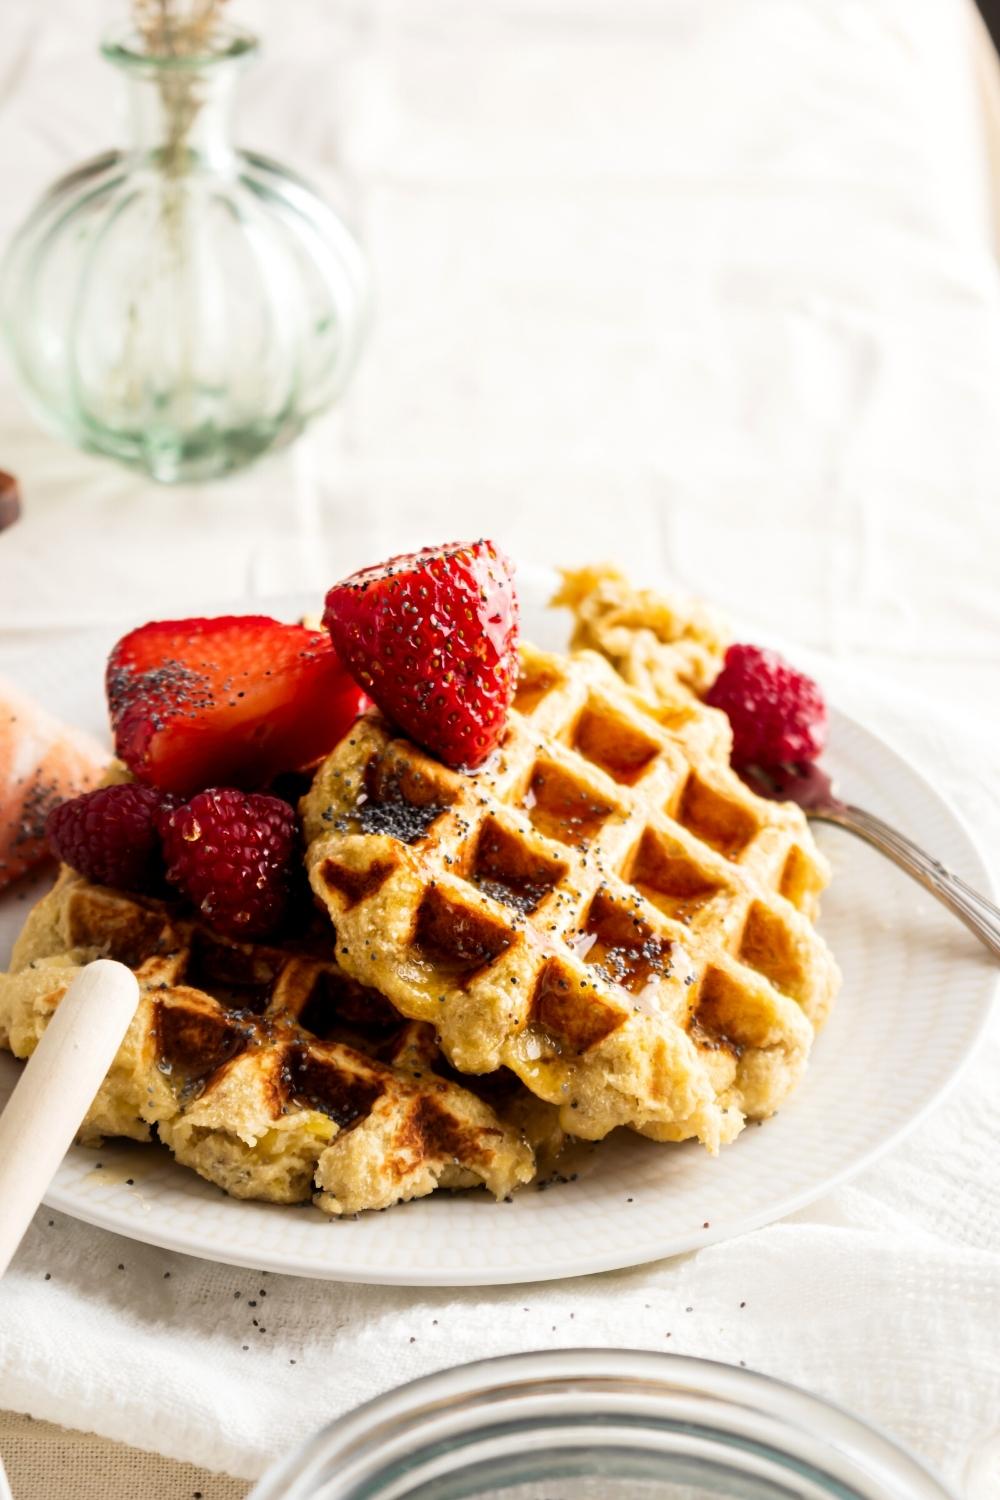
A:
<point x="265" y="1068"/>
<point x="604" y="909"/>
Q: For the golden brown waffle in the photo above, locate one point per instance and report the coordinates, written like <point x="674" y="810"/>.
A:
<point x="265" y="1069"/>
<point x="605" y="909"/>
<point x="668" y="647"/>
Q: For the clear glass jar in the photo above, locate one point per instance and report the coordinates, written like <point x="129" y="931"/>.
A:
<point x="597" y="1424"/>
<point x="182" y="305"/>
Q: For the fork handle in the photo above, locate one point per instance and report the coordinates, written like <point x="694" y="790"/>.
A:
<point x="981" y="917"/>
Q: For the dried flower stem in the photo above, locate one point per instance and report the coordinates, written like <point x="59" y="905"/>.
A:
<point x="177" y="28"/>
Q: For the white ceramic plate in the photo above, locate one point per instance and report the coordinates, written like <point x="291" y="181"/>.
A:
<point x="915" y="998"/>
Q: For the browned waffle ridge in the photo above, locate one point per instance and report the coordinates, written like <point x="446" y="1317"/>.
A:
<point x="266" y="1069"/>
<point x="605" y="909"/>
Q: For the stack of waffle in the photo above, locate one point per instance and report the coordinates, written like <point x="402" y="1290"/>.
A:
<point x="266" y="1069"/>
<point x="602" y="928"/>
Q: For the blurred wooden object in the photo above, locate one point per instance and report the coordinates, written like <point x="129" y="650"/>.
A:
<point x="990" y="10"/>
<point x="10" y="500"/>
<point x="55" y="1090"/>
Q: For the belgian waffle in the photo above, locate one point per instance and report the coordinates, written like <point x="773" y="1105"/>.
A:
<point x="266" y="1069"/>
<point x="605" y="909"/>
<point x="668" y="647"/>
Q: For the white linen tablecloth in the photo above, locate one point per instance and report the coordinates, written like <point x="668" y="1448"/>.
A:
<point x="708" y="288"/>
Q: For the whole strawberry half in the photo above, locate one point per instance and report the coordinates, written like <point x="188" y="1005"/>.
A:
<point x="432" y="638"/>
<point x="233" y="855"/>
<point x="232" y="700"/>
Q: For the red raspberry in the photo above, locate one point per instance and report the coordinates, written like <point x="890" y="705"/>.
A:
<point x="432" y="637"/>
<point x="778" y="715"/>
<point x="110" y="836"/>
<point x="232" y="854"/>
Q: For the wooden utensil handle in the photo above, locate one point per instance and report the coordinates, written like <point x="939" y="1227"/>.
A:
<point x="57" y="1088"/>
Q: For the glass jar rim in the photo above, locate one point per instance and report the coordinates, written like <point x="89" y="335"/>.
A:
<point x="122" y="45"/>
<point x="630" y="1392"/>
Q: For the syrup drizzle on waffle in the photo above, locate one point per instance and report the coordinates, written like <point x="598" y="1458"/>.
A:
<point x="605" y="910"/>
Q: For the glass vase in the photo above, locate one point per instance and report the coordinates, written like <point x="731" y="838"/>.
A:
<point x="181" y="305"/>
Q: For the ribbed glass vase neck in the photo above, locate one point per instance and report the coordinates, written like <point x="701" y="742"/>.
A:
<point x="180" y="104"/>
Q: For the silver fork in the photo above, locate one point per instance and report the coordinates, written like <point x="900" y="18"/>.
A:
<point x="812" y="789"/>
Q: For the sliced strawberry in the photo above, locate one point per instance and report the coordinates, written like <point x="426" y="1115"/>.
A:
<point x="232" y="701"/>
<point x="432" y="637"/>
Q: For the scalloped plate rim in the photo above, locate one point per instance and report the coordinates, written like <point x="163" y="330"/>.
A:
<point x="153" y="1224"/>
